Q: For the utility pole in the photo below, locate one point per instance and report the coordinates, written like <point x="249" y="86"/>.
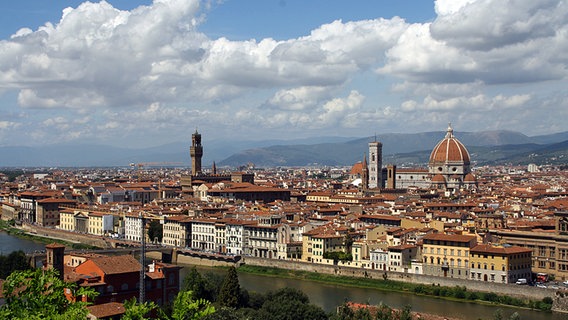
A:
<point x="142" y="258"/>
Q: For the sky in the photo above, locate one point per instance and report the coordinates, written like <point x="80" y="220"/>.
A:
<point x="140" y="73"/>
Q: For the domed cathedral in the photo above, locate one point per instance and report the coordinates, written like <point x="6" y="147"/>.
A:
<point x="449" y="164"/>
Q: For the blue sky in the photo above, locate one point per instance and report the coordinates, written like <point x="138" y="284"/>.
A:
<point x="138" y="73"/>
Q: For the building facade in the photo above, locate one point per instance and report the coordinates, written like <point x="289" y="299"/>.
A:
<point x="446" y="255"/>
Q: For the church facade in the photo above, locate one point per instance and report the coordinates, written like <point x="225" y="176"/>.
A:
<point x="449" y="168"/>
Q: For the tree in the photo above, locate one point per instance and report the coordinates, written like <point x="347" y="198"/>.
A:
<point x="155" y="230"/>
<point x="405" y="313"/>
<point x="230" y="290"/>
<point x="41" y="294"/>
<point x="222" y="314"/>
<point x="289" y="304"/>
<point x="136" y="311"/>
<point x="348" y="242"/>
<point x="16" y="260"/>
<point x="186" y="308"/>
<point x="384" y="312"/>
<point x="195" y="283"/>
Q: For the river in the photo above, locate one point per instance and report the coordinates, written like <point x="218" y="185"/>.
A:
<point x="329" y="296"/>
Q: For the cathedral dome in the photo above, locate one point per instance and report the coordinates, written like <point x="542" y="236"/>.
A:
<point x="449" y="151"/>
<point x="439" y="179"/>
<point x="470" y="178"/>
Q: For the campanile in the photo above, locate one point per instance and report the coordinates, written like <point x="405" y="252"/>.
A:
<point x="196" y="152"/>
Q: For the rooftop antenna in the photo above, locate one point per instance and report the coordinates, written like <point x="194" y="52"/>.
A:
<point x="142" y="258"/>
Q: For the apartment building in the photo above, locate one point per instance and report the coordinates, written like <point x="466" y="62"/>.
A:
<point x="47" y="210"/>
<point x="400" y="257"/>
<point x="133" y="227"/>
<point x="177" y="231"/>
<point x="320" y="240"/>
<point x="549" y="249"/>
<point x="203" y="234"/>
<point x="447" y="255"/>
<point x="379" y="259"/>
<point x="502" y="264"/>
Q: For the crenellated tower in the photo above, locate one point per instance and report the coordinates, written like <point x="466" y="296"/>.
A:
<point x="196" y="152"/>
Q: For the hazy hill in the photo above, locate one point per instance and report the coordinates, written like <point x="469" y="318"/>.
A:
<point x="403" y="149"/>
<point x="406" y="149"/>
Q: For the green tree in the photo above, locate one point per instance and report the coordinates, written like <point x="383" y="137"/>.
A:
<point x="137" y="311"/>
<point x="16" y="260"/>
<point x="195" y="283"/>
<point x="498" y="315"/>
<point x="348" y="242"/>
<point x="155" y="230"/>
<point x="384" y="312"/>
<point x="405" y="313"/>
<point x="344" y="312"/>
<point x="187" y="308"/>
<point x="40" y="294"/>
<point x="223" y="314"/>
<point x="230" y="290"/>
<point x="289" y="304"/>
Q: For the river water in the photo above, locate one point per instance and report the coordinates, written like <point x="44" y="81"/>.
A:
<point x="329" y="296"/>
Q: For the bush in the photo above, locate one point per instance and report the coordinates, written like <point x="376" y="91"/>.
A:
<point x="472" y="295"/>
<point x="460" y="292"/>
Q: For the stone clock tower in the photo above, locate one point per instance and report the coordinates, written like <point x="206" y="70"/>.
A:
<point x="196" y="152"/>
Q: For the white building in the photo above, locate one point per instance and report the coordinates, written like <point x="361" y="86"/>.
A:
<point x="203" y="234"/>
<point x="133" y="227"/>
<point x="379" y="259"/>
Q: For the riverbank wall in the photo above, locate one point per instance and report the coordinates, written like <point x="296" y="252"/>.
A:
<point x="516" y="291"/>
<point x="90" y="240"/>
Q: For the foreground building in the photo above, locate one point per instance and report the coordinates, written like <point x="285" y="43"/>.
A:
<point x="117" y="278"/>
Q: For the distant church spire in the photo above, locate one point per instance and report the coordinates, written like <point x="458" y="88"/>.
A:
<point x="214" y="168"/>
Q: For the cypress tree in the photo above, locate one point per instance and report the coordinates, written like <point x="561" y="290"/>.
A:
<point x="230" y="290"/>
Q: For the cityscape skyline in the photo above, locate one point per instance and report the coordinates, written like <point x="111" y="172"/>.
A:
<point x="143" y="73"/>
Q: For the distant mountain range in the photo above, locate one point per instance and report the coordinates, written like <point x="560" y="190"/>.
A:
<point x="485" y="147"/>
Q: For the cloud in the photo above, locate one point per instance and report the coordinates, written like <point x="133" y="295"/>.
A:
<point x="102" y="73"/>
<point x="495" y="42"/>
<point x="99" y="56"/>
<point x="7" y="125"/>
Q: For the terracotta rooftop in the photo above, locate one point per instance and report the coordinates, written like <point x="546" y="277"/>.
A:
<point x="117" y="264"/>
<point x="106" y="310"/>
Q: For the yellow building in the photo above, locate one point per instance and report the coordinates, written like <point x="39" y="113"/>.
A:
<point x="320" y="240"/>
<point x="95" y="223"/>
<point x="502" y="264"/>
<point x="446" y="255"/>
<point x="67" y="220"/>
<point x="549" y="249"/>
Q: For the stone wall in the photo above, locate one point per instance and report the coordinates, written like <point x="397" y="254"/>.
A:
<point x="66" y="235"/>
<point x="504" y="289"/>
<point x="183" y="259"/>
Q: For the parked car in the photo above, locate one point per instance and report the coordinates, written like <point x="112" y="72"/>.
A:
<point x="522" y="281"/>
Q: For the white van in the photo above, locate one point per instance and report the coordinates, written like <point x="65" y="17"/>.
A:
<point x="522" y="281"/>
